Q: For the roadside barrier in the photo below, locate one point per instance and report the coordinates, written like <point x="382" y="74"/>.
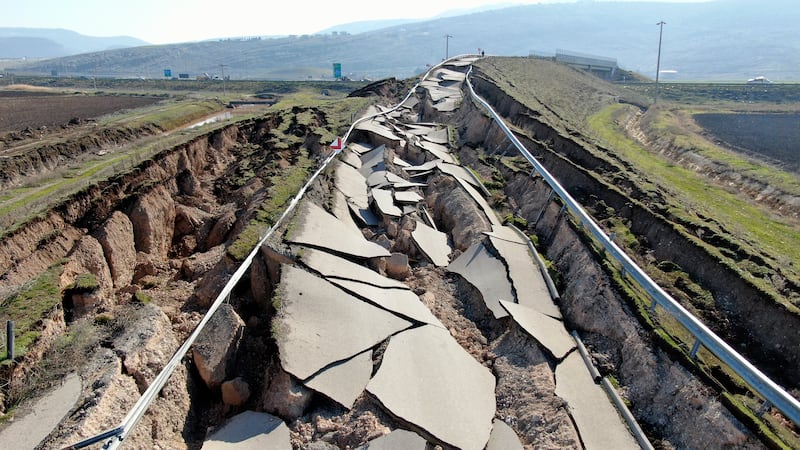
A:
<point x="773" y="394"/>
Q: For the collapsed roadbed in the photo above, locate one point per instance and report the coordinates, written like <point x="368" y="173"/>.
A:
<point x="158" y="242"/>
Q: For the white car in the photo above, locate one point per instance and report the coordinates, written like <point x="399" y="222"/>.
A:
<point x="758" y="80"/>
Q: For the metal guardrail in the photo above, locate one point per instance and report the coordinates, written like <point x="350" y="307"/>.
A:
<point x="771" y="391"/>
<point x="114" y="437"/>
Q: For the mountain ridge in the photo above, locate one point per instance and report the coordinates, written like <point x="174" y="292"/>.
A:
<point x="722" y="40"/>
<point x="19" y="42"/>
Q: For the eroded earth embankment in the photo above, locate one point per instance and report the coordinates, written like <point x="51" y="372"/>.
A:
<point x="757" y="323"/>
<point x="159" y="243"/>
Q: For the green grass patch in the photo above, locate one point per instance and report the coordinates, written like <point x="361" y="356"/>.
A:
<point x="85" y="282"/>
<point x="284" y="186"/>
<point x="35" y="300"/>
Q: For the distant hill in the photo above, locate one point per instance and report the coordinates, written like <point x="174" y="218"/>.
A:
<point x="54" y="42"/>
<point x="722" y="40"/>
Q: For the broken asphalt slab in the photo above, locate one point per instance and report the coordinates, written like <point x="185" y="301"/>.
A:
<point x="432" y="243"/>
<point x="399" y="301"/>
<point x="487" y="273"/>
<point x="344" y="382"/>
<point x="250" y="430"/>
<point x="334" y="266"/>
<point x="397" y="440"/>
<point x="317" y="324"/>
<point x="598" y="423"/>
<point x="427" y="379"/>
<point x="526" y="276"/>
<point x="316" y="227"/>
<point x="548" y="331"/>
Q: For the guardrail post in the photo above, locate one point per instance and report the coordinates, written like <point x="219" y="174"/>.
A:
<point x="10" y="339"/>
<point x="695" y="348"/>
<point x="544" y="207"/>
<point x="764" y="408"/>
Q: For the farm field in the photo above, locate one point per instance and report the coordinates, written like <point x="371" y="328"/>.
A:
<point x="20" y="109"/>
<point x="774" y="136"/>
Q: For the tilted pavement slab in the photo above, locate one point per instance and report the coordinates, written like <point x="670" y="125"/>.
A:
<point x="401" y="301"/>
<point x="316" y="227"/>
<point x="447" y="74"/>
<point x="598" y="422"/>
<point x="351" y="183"/>
<point x="448" y="104"/>
<point x="373" y="160"/>
<point x="250" y="430"/>
<point x="418" y="130"/>
<point x="439" y="151"/>
<point x="548" y="331"/>
<point x="365" y="215"/>
<point x="344" y="382"/>
<point x="437" y="93"/>
<point x="397" y="161"/>
<point x="481" y="201"/>
<point x="359" y="147"/>
<point x="318" y="324"/>
<point x="487" y="273"/>
<point x="374" y="126"/>
<point x="460" y="172"/>
<point x="407" y="197"/>
<point x="430" y="165"/>
<point x="385" y="202"/>
<point x="27" y="430"/>
<point x="427" y="379"/>
<point x="397" y="440"/>
<point x="506" y="233"/>
<point x="334" y="266"/>
<point x="526" y="277"/>
<point x="503" y="437"/>
<point x="438" y="135"/>
<point x="351" y="159"/>
<point x="378" y="179"/>
<point x="341" y="209"/>
<point x="432" y="243"/>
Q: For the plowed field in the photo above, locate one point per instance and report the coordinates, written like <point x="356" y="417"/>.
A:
<point x="20" y="110"/>
<point x="775" y="136"/>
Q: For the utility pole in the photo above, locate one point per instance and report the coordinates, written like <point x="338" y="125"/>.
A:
<point x="447" y="45"/>
<point x="222" y="70"/>
<point x="658" y="62"/>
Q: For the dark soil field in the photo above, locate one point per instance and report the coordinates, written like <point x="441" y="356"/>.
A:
<point x="20" y="110"/>
<point x="774" y="136"/>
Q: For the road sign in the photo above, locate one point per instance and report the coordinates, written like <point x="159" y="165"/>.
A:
<point x="337" y="145"/>
<point x="168" y="73"/>
<point x="337" y="70"/>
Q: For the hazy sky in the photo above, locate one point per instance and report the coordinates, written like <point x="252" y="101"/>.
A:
<point x="168" y="21"/>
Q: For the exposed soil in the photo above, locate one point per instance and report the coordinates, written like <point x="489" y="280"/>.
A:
<point x="21" y="110"/>
<point x="770" y="136"/>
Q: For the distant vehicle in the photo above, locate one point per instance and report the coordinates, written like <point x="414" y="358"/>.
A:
<point x="759" y="80"/>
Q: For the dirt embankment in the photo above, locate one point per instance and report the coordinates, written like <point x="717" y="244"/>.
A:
<point x="153" y="236"/>
<point x="758" y="325"/>
<point x="47" y="157"/>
